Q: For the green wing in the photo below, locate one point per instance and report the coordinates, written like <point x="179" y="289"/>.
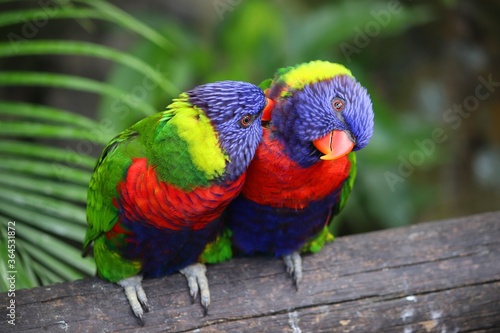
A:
<point x="347" y="187"/>
<point x="159" y="138"/>
<point x="109" y="170"/>
<point x="317" y="243"/>
<point x="219" y="250"/>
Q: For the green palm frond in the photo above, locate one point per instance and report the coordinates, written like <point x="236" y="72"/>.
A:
<point x="47" y="154"/>
<point x="68" y="47"/>
<point x="93" y="9"/>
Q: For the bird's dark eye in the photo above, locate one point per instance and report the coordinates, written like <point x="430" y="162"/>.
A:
<point x="338" y="104"/>
<point x="246" y="120"/>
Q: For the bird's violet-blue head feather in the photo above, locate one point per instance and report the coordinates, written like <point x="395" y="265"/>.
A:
<point x="318" y="107"/>
<point x="234" y="109"/>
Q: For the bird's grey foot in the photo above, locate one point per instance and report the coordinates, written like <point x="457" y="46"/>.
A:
<point x="293" y="264"/>
<point x="135" y="295"/>
<point x="197" y="280"/>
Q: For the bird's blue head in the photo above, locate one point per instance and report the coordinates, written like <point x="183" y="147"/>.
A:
<point x="235" y="110"/>
<point x="320" y="112"/>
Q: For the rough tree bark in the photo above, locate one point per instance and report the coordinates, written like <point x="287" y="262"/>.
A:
<point x="432" y="277"/>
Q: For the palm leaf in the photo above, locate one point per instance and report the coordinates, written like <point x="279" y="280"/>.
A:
<point x="55" y="170"/>
<point x="128" y="22"/>
<point x="56" y="226"/>
<point x="22" y="129"/>
<point x="47" y="205"/>
<point x="71" y="82"/>
<point x="46" y="187"/>
<point x="44" y="152"/>
<point x="87" y="49"/>
<point x="43" y="184"/>
<point x="101" y="10"/>
<point x="44" y="113"/>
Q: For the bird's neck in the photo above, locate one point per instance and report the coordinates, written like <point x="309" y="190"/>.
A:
<point x="302" y="152"/>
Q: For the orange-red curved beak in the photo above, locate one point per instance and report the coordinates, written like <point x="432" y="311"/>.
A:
<point x="334" y="145"/>
<point x="267" y="113"/>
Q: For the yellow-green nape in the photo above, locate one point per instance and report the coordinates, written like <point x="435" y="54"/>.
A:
<point x="310" y="72"/>
<point x="193" y="127"/>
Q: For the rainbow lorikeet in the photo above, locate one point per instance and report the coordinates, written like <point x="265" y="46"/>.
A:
<point x="160" y="186"/>
<point x="304" y="168"/>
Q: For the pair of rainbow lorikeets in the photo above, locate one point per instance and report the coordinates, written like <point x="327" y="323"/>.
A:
<point x="228" y="169"/>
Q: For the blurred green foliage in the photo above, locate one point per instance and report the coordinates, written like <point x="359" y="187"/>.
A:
<point x="256" y="38"/>
<point x="415" y="58"/>
<point x="44" y="183"/>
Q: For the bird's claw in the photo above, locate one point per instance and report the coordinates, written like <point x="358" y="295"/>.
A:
<point x="293" y="264"/>
<point x="197" y="281"/>
<point x="135" y="295"/>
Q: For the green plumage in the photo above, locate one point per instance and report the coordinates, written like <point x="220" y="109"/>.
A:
<point x="158" y="140"/>
<point x="159" y="187"/>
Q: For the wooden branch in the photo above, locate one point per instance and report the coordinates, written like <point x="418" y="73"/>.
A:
<point x="431" y="277"/>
